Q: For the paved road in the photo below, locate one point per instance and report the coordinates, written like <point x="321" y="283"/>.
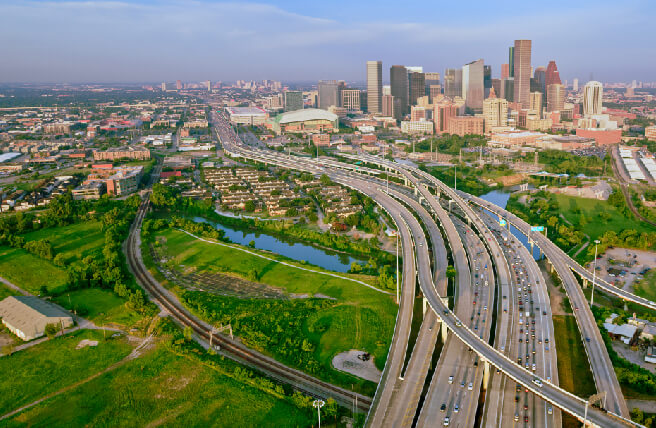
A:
<point x="532" y="382"/>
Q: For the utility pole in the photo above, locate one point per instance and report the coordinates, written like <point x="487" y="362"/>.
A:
<point x="594" y="273"/>
<point x="455" y="177"/>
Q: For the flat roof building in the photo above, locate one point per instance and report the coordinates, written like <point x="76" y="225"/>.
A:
<point x="28" y="316"/>
<point x="247" y="115"/>
<point x="309" y="120"/>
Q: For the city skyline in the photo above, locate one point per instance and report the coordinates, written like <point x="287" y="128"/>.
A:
<point x="293" y="41"/>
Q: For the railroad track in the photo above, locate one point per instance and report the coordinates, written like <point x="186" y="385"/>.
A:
<point x="234" y="350"/>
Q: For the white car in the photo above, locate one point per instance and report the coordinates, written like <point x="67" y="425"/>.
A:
<point x="470" y="386"/>
<point x="450" y="380"/>
<point x="456" y="409"/>
<point x="446" y="421"/>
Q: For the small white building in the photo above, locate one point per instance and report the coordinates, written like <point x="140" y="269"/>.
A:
<point x="28" y="316"/>
<point x="648" y="332"/>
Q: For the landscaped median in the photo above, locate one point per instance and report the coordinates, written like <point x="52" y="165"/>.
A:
<point x="315" y="315"/>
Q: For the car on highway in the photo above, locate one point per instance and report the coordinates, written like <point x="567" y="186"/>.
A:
<point x="456" y="409"/>
<point x="516" y="417"/>
<point x="538" y="382"/>
<point x="462" y="384"/>
<point x="550" y="410"/>
<point x="450" y="380"/>
<point x="443" y="407"/>
<point x="470" y="386"/>
<point x="446" y="421"/>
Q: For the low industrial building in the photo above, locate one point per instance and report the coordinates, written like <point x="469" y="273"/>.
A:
<point x="28" y="316"/>
<point x="247" y="115"/>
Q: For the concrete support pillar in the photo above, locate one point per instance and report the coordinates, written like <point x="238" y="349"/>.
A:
<point x="626" y="306"/>
<point x="424" y="305"/>
<point x="445" y="332"/>
<point x="416" y="191"/>
<point x="486" y="374"/>
<point x="585" y="283"/>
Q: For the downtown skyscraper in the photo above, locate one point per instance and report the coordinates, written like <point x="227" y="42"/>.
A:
<point x="522" y="72"/>
<point x="473" y="85"/>
<point x="399" y="87"/>
<point x="375" y="86"/>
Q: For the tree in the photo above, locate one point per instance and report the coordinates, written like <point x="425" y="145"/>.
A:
<point x="188" y="333"/>
<point x="50" y="330"/>
<point x="450" y="272"/>
<point x="59" y="260"/>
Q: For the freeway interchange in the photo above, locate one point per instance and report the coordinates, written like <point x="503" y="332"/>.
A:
<point x="498" y="339"/>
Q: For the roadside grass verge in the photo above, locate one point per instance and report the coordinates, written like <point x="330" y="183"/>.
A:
<point x="100" y="306"/>
<point x="30" y="272"/>
<point x="646" y="287"/>
<point x="574" y="373"/>
<point x="49" y="366"/>
<point x="6" y="291"/>
<point x="162" y="388"/>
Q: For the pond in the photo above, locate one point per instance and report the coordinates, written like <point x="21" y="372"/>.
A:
<point x="330" y="260"/>
<point x="500" y="198"/>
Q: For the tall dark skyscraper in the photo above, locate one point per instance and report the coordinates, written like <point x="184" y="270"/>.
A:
<point x="375" y="86"/>
<point x="511" y="61"/>
<point x="417" y="86"/>
<point x="293" y="100"/>
<point x="487" y="79"/>
<point x="328" y="94"/>
<point x="399" y="87"/>
<point x="540" y="75"/>
<point x="522" y="72"/>
<point x="453" y="83"/>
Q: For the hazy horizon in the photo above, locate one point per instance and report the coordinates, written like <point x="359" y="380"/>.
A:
<point x="293" y="41"/>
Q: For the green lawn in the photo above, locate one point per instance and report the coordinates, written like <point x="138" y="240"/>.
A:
<point x="646" y="287"/>
<point x="6" y="291"/>
<point x="574" y="373"/>
<point x="30" y="272"/>
<point x="591" y="208"/>
<point x="54" y="364"/>
<point x="74" y="241"/>
<point x="100" y="306"/>
<point x="161" y="388"/>
<point x="356" y="318"/>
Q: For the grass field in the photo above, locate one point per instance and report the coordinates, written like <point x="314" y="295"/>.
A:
<point x="74" y="241"/>
<point x="161" y="388"/>
<point x="6" y="291"/>
<point x="30" y="272"/>
<point x="357" y="318"/>
<point x="100" y="306"/>
<point x="574" y="373"/>
<point x="569" y="206"/>
<point x="54" y="364"/>
<point x="646" y="287"/>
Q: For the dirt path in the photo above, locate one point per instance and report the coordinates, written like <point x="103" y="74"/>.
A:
<point x="555" y="296"/>
<point x="136" y="353"/>
<point x="14" y="287"/>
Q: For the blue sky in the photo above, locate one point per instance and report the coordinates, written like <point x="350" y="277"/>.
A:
<point x="149" y="40"/>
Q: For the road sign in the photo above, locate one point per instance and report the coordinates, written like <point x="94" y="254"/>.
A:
<point x="537" y="228"/>
<point x="502" y="222"/>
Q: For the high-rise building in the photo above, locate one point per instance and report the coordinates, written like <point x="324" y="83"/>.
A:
<point x="555" y="97"/>
<point x="453" y="83"/>
<point x="328" y="94"/>
<point x="487" y="80"/>
<point x="178" y="85"/>
<point x="374" y="86"/>
<point x="505" y="71"/>
<point x="592" y="95"/>
<point x="399" y="84"/>
<point x="417" y="85"/>
<point x="509" y="89"/>
<point x="575" y="84"/>
<point x="535" y="103"/>
<point x="511" y="61"/>
<point x="540" y="76"/>
<point x="473" y="89"/>
<point x="522" y="72"/>
<point x="431" y="78"/>
<point x="552" y="76"/>
<point x="496" y="85"/>
<point x="293" y="100"/>
<point x="387" y="90"/>
<point x="163" y="86"/>
<point x="388" y="106"/>
<point x="434" y="92"/>
<point x="442" y="113"/>
<point x="495" y="112"/>
<point x="351" y="99"/>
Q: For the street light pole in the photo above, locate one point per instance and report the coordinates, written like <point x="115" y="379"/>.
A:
<point x="455" y="177"/>
<point x="594" y="273"/>
<point x="318" y="404"/>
